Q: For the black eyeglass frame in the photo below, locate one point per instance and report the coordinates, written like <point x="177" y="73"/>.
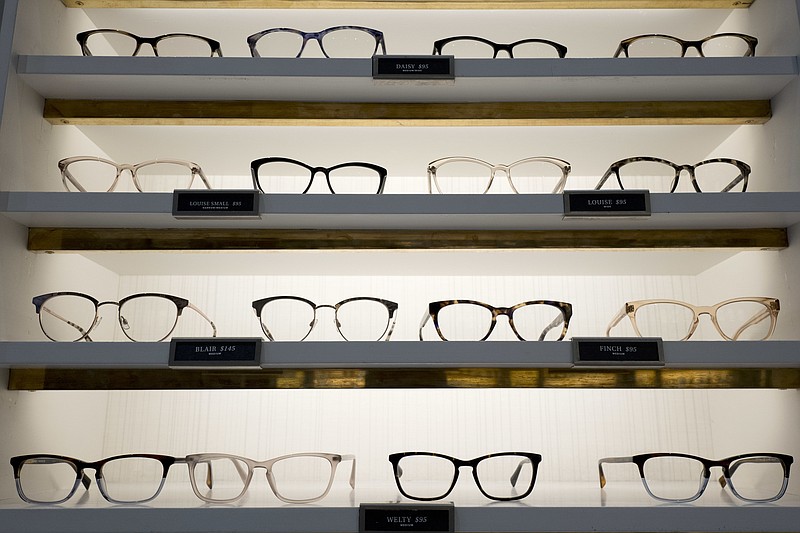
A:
<point x="743" y="177"/>
<point x="81" y="478"/>
<point x="83" y="38"/>
<point x="560" y="49"/>
<point x="729" y="466"/>
<point x="432" y="313"/>
<point x="313" y="171"/>
<point x="380" y="42"/>
<point x="533" y="458"/>
<point x="685" y="45"/>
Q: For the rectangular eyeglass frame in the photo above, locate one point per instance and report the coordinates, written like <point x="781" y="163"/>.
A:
<point x="380" y="43"/>
<point x="560" y="49"/>
<point x="744" y="172"/>
<point x="83" y="37"/>
<point x="685" y="45"/>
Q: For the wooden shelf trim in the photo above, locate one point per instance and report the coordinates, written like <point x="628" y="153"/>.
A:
<point x="287" y="113"/>
<point x="412" y="4"/>
<point x="123" y="239"/>
<point x="140" y="379"/>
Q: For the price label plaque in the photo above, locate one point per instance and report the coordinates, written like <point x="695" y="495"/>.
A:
<point x="215" y="204"/>
<point x="617" y="351"/>
<point x="413" y="68"/>
<point x="635" y="203"/>
<point x="216" y="352"/>
<point x="374" y="517"/>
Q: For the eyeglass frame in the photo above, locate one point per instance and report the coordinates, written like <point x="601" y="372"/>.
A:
<point x="729" y="466"/>
<point x="194" y="459"/>
<point x="83" y="479"/>
<point x="773" y="305"/>
<point x="83" y="38"/>
<point x="433" y="166"/>
<point x="560" y="49"/>
<point x="258" y="163"/>
<point x="66" y="175"/>
<point x="685" y="45"/>
<point x="432" y="313"/>
<point x="744" y="171"/>
<point x="180" y="304"/>
<point x="380" y="41"/>
<point x="533" y="458"/>
<point x="391" y="307"/>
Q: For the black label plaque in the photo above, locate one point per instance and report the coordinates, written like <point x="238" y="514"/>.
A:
<point x="202" y="204"/>
<point x="412" y="68"/>
<point x="215" y="352"/>
<point x="405" y="517"/>
<point x="617" y="351"/>
<point x="606" y="203"/>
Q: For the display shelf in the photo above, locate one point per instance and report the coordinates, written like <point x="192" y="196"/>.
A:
<point x="125" y="365"/>
<point x="553" y="506"/>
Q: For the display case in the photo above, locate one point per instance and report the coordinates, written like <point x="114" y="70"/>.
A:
<point x="710" y="397"/>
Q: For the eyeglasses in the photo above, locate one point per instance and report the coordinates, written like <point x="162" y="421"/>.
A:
<point x="478" y="47"/>
<point x="95" y="174"/>
<point x="660" y="175"/>
<point x="150" y="317"/>
<point x="295" y="478"/>
<point x="131" y="478"/>
<point x="123" y="43"/>
<point x="282" y="175"/>
<point x="677" y="477"/>
<point x="427" y="476"/>
<point x="291" y="318"/>
<point x="338" y="41"/>
<point x="735" y="319"/>
<point x="467" y="175"/>
<point x="475" y="321"/>
<point x="659" y="45"/>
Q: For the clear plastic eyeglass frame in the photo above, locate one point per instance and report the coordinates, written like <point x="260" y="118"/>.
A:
<point x="729" y="467"/>
<point x="246" y="474"/>
<point x="19" y="464"/>
<point x="749" y="41"/>
<point x="319" y="36"/>
<point x="525" y="458"/>
<point x="563" y="167"/>
<point x="769" y="311"/>
<point x="214" y="46"/>
<point x="67" y="177"/>
<point x="741" y="178"/>
<point x="439" y="45"/>
<point x="564" y="308"/>
<point x="385" y="334"/>
<point x="81" y="333"/>
<point x="380" y="173"/>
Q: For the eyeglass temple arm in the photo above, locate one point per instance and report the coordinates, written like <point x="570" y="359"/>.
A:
<point x="391" y="327"/>
<point x="202" y="314"/>
<point x="431" y="173"/>
<point x="733" y="183"/>
<point x="68" y="175"/>
<point x="352" y="469"/>
<point x="518" y="471"/>
<point x="755" y="319"/>
<point x="199" y="172"/>
<point x="556" y="321"/>
<point x="734" y="466"/>
<point x="603" y="180"/>
<point x="82" y="331"/>
<point x="610" y="460"/>
<point x="425" y="318"/>
<point x="616" y="320"/>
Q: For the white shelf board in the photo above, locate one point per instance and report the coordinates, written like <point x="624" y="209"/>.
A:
<point x="396" y="354"/>
<point x="350" y="80"/>
<point x="403" y="211"/>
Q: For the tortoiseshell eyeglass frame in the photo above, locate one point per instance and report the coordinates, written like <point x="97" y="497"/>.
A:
<point x="380" y="43"/>
<point x="525" y="458"/>
<point x="386" y="334"/>
<point x="313" y="171"/>
<point x="685" y="45"/>
<point x="432" y="312"/>
<point x="772" y="307"/>
<point x="729" y="466"/>
<point x="438" y="45"/>
<point x="215" y="48"/>
<point x="744" y="172"/>
<point x="492" y="169"/>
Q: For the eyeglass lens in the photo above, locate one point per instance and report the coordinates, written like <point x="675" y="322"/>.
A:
<point x="742" y="320"/>
<point x="469" y="177"/>
<point x="285" y="177"/>
<point x="681" y="478"/>
<point x="660" y="177"/>
<point x="345" y="42"/>
<point x="121" y="44"/>
<point x="100" y="176"/>
<point x="472" y="322"/>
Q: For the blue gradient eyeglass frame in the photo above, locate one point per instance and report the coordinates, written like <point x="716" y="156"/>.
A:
<point x="319" y="36"/>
